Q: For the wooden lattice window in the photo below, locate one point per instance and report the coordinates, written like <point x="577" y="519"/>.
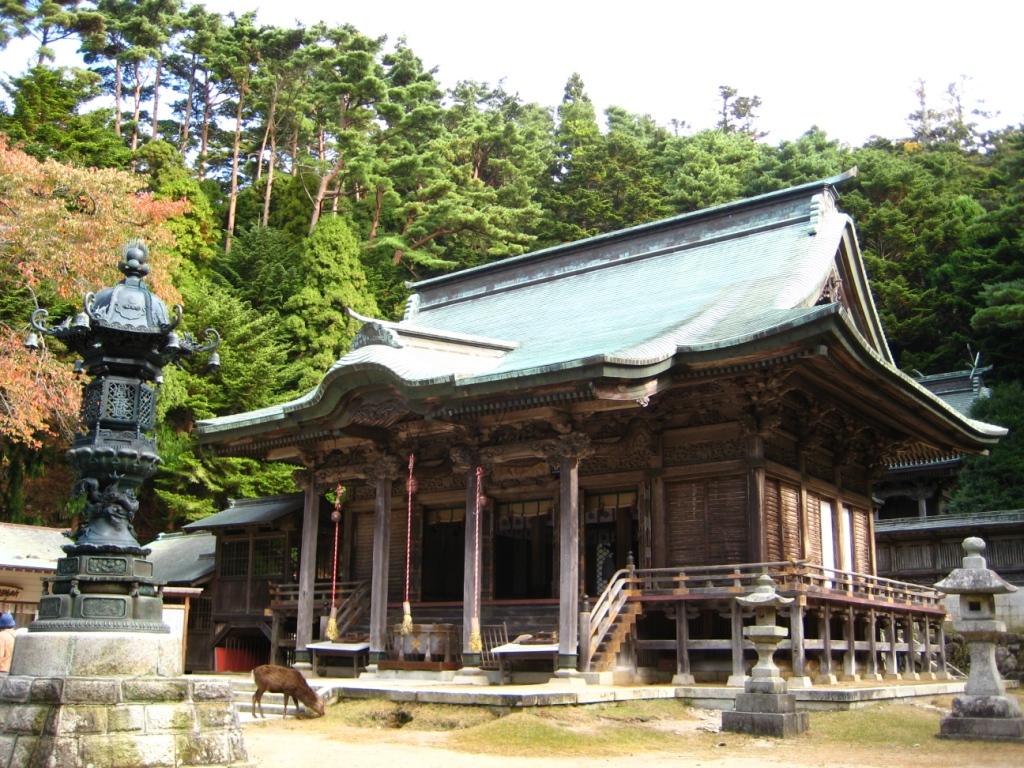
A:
<point x="234" y="558"/>
<point x="268" y="556"/>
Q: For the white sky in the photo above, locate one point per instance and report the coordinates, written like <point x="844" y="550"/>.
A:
<point x="849" y="68"/>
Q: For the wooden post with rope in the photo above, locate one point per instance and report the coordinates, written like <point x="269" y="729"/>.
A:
<point x="332" y="621"/>
<point x="410" y="489"/>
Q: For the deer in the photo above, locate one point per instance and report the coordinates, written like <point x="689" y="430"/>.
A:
<point x="290" y="682"/>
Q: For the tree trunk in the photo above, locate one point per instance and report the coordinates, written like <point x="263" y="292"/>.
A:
<point x="321" y="193"/>
<point x="155" y="132"/>
<point x="266" y="134"/>
<point x="265" y="221"/>
<point x="186" y="119"/>
<point x="117" y="97"/>
<point x="136" y="108"/>
<point x="378" y="207"/>
<point x="236" y="150"/>
<point x="204" y="141"/>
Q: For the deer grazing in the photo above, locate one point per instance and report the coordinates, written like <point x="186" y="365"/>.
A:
<point x="290" y="682"/>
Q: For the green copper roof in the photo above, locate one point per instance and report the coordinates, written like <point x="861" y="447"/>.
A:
<point x="633" y="300"/>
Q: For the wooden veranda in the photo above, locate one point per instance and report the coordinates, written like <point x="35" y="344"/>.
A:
<point x="879" y="627"/>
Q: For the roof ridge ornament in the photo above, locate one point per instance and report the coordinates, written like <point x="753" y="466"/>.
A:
<point x="375" y="333"/>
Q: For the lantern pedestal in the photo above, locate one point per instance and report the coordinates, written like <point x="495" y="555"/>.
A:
<point x="112" y="698"/>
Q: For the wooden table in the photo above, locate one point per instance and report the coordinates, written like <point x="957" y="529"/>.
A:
<point x="354" y="651"/>
<point x="509" y="652"/>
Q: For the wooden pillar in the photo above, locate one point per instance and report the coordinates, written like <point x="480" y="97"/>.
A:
<point x="910" y="671"/>
<point x="348" y="536"/>
<point x="892" y="671"/>
<point x="569" y="564"/>
<point x="470" y="593"/>
<point x="825" y="675"/>
<point x="568" y="451"/>
<point x="738" y="676"/>
<point x="683" y="675"/>
<point x="926" y="663"/>
<point x="659" y="524"/>
<point x="850" y="657"/>
<point x="382" y="474"/>
<point x="755" y="498"/>
<point x="307" y="565"/>
<point x="798" y="652"/>
<point x="871" y="672"/>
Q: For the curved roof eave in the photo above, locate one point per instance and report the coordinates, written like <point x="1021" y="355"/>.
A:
<point x="823" y="322"/>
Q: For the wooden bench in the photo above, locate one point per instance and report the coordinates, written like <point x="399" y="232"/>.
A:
<point x="357" y="652"/>
<point x="510" y="652"/>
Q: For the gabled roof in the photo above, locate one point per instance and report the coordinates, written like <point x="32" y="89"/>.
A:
<point x="266" y="509"/>
<point x="182" y="558"/>
<point x="30" y="547"/>
<point x="627" y="305"/>
<point x="961" y="389"/>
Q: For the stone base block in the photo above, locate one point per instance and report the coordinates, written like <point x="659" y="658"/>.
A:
<point x="683" y="679"/>
<point x="798" y="681"/>
<point x="766" y="703"/>
<point x="156" y="722"/>
<point x="96" y="654"/>
<point x="982" y="728"/>
<point x="766" y="723"/>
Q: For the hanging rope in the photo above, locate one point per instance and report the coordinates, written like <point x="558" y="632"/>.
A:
<point x="410" y="489"/>
<point x="332" y="622"/>
<point x="475" y="642"/>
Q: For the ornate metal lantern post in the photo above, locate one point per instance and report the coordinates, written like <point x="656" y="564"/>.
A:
<point x="125" y="337"/>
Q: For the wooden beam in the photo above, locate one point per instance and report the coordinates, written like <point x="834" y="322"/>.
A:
<point x="307" y="565"/>
<point x="798" y="654"/>
<point x="757" y="543"/>
<point x="683" y="675"/>
<point x="470" y="594"/>
<point x="738" y="676"/>
<point x="382" y="473"/>
<point x="569" y="566"/>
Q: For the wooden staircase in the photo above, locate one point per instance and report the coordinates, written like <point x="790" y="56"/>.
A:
<point x="605" y="627"/>
<point x="608" y="649"/>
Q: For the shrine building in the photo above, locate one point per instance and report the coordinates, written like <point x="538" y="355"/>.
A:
<point x="609" y="440"/>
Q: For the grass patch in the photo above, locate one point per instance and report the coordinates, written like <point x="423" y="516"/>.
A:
<point x="887" y="725"/>
<point x="561" y="731"/>
<point x="378" y="713"/>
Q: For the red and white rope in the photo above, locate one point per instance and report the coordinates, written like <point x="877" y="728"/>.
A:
<point x="410" y="487"/>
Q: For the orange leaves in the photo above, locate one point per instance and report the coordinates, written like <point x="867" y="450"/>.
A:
<point x="65" y="226"/>
<point x="39" y="395"/>
<point x="61" y="233"/>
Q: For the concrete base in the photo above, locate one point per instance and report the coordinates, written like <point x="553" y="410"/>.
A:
<point x="476" y="676"/>
<point x="736" y="681"/>
<point x="766" y="723"/>
<point x="798" y="681"/>
<point x="570" y="677"/>
<point x="982" y="728"/>
<point x="96" y="654"/>
<point x="683" y="680"/>
<point x="66" y="705"/>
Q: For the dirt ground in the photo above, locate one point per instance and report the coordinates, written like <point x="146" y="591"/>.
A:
<point x="692" y="741"/>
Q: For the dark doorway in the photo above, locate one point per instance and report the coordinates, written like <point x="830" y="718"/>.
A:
<point x="610" y="536"/>
<point x="523" y="551"/>
<point x="444" y="537"/>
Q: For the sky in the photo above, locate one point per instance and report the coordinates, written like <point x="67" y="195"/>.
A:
<point x="850" y="68"/>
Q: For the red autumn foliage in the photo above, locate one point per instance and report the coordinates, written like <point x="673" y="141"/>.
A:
<point x="61" y="232"/>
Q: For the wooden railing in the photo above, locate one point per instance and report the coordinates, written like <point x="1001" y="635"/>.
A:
<point x="352" y="599"/>
<point x="726" y="581"/>
<point x="790" y="577"/>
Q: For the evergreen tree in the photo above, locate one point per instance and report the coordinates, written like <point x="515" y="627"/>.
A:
<point x="332" y="279"/>
<point x="992" y="482"/>
<point x="46" y="122"/>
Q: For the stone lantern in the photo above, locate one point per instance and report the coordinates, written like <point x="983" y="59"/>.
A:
<point x="984" y="711"/>
<point x="97" y="680"/>
<point x="764" y="707"/>
<point x="125" y="336"/>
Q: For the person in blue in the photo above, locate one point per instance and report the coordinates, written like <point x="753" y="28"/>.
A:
<point x="6" y="642"/>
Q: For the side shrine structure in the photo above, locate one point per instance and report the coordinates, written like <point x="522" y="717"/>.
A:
<point x="611" y="439"/>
